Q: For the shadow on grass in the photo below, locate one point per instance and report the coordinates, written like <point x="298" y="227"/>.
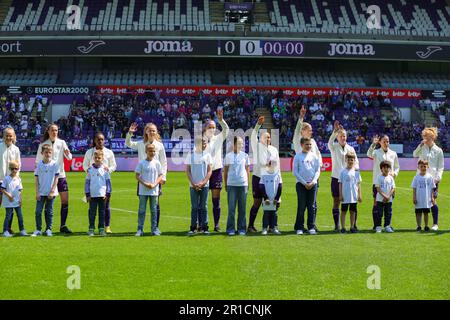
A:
<point x="256" y="234"/>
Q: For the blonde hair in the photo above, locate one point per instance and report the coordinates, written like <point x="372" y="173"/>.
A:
<point x="432" y="131"/>
<point x="341" y="131"/>
<point x="99" y="152"/>
<point x="150" y="146"/>
<point x="14" y="163"/>
<point x="350" y="155"/>
<point x="148" y="125"/>
<point x="306" y="125"/>
<point x="13" y="132"/>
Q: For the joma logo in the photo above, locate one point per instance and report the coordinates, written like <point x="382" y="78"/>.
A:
<point x="351" y="49"/>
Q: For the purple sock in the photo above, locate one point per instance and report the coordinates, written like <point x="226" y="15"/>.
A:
<point x="435" y="213"/>
<point x="64" y="213"/>
<point x="253" y="214"/>
<point x="216" y="211"/>
<point x="336" y="217"/>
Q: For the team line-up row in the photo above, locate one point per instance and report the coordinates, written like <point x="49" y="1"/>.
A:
<point x="207" y="170"/>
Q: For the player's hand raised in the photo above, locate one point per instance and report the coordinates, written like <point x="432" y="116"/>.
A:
<point x="376" y="139"/>
<point x="133" y="128"/>
<point x="302" y="111"/>
<point x="261" y="120"/>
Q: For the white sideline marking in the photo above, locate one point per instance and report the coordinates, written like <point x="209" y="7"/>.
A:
<point x="410" y="189"/>
<point x="129" y="211"/>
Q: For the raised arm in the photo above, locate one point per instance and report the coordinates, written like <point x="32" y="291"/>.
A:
<point x="298" y="130"/>
<point x="333" y="136"/>
<point x="371" y="151"/>
<point x="223" y="124"/>
<point x="131" y="144"/>
<point x="254" y="138"/>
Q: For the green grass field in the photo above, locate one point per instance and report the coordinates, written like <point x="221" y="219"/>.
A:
<point x="326" y="266"/>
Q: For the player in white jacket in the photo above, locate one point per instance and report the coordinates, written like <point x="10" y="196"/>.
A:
<point x="304" y="130"/>
<point x="266" y="160"/>
<point x="60" y="151"/>
<point x="215" y="149"/>
<point x="151" y="136"/>
<point x="383" y="153"/>
<point x="428" y="150"/>
<point x="109" y="164"/>
<point x="8" y="152"/>
<point x="338" y="151"/>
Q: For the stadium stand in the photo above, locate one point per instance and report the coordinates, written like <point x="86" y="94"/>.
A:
<point x="411" y="80"/>
<point x="292" y="78"/>
<point x="400" y="18"/>
<point x="27" y="77"/>
<point x="144" y="77"/>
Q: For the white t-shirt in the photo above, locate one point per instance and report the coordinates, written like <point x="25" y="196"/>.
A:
<point x="149" y="172"/>
<point x="199" y="163"/>
<point x="424" y="186"/>
<point x="14" y="187"/>
<point x="98" y="182"/>
<point x="237" y="174"/>
<point x="350" y="180"/>
<point x="46" y="173"/>
<point x="271" y="182"/>
<point x="386" y="184"/>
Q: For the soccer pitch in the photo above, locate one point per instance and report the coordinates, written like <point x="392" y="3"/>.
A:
<point x="174" y="266"/>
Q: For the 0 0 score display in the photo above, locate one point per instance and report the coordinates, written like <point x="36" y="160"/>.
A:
<point x="260" y="48"/>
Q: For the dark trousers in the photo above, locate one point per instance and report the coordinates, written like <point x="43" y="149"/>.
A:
<point x="95" y="203"/>
<point x="270" y="219"/>
<point x="305" y="200"/>
<point x="383" y="208"/>
<point x="10" y="215"/>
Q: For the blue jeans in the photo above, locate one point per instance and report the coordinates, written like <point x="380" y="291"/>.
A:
<point x="236" y="195"/>
<point x="143" y="207"/>
<point x="100" y="203"/>
<point x="305" y="199"/>
<point x="199" y="208"/>
<point x="9" y="216"/>
<point x="48" y="203"/>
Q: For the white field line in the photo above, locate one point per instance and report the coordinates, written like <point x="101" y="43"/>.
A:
<point x="410" y="190"/>
<point x="129" y="211"/>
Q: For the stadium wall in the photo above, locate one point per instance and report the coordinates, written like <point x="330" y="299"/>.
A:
<point x="130" y="163"/>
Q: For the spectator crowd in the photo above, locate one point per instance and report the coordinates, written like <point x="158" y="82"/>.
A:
<point x="362" y="116"/>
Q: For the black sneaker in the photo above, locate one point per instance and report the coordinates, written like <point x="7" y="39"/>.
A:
<point x="65" y="229"/>
<point x="426" y="229"/>
<point x="343" y="230"/>
<point x="252" y="230"/>
<point x="353" y="230"/>
<point x="336" y="229"/>
<point x="419" y="229"/>
<point x="356" y="228"/>
<point x="217" y="229"/>
<point x="11" y="231"/>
